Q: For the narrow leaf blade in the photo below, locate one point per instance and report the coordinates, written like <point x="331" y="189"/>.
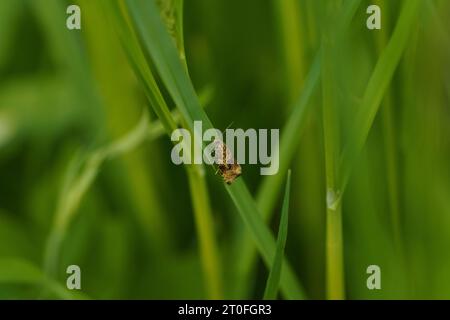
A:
<point x="273" y="282"/>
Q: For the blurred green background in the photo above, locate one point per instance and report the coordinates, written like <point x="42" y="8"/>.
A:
<point x="66" y="94"/>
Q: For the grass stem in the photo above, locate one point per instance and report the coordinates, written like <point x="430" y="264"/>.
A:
<point x="334" y="245"/>
<point x="205" y="229"/>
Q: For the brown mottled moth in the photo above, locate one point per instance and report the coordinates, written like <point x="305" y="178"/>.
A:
<point x="228" y="167"/>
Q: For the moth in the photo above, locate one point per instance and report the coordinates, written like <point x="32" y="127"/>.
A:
<point x="229" y="169"/>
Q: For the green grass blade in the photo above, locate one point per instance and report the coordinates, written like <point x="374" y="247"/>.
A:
<point x="160" y="47"/>
<point x="209" y="253"/>
<point x="263" y="238"/>
<point x="273" y="282"/>
<point x="292" y="42"/>
<point x="269" y="190"/>
<point x="376" y="88"/>
<point x="389" y="142"/>
<point x="331" y="119"/>
<point x="172" y="13"/>
<point x="199" y="193"/>
<point x="130" y="42"/>
<point x="270" y="187"/>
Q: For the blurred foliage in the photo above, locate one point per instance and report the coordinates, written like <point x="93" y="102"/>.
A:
<point x="70" y="103"/>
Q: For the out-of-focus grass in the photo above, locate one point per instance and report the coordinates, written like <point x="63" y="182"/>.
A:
<point x="16" y="271"/>
<point x="269" y="188"/>
<point x="141" y="230"/>
<point x="331" y="141"/>
<point x="273" y="282"/>
<point x="158" y="46"/>
<point x="199" y="192"/>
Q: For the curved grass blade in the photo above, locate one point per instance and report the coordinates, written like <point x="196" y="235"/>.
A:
<point x="273" y="282"/>
<point x="269" y="190"/>
<point x="158" y="45"/>
<point x="389" y="141"/>
<point x="198" y="190"/>
<point x="270" y="187"/>
<point x="376" y="88"/>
